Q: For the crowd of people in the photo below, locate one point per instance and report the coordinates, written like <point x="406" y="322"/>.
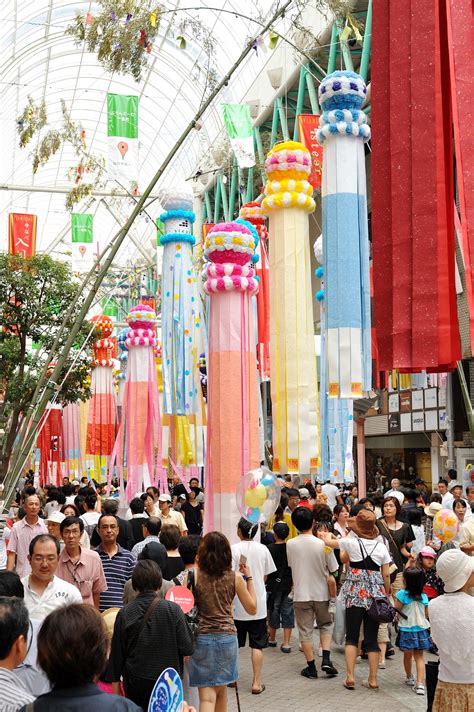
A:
<point x="325" y="560"/>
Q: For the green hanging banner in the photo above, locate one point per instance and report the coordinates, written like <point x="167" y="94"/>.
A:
<point x="122" y="132"/>
<point x="81" y="227"/>
<point x="109" y="307"/>
<point x="238" y="124"/>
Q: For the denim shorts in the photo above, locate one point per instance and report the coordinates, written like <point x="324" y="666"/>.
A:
<point x="281" y="612"/>
<point x="215" y="660"/>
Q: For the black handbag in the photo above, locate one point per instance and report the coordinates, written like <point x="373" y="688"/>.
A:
<point x="381" y="610"/>
<point x="432" y="668"/>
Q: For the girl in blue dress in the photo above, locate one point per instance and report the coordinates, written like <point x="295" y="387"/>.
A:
<point x="414" y="636"/>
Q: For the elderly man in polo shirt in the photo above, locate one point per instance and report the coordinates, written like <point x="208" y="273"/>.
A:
<point x="169" y="516"/>
<point x="44" y="592"/>
<point x="118" y="563"/>
<point x="22" y="534"/>
<point x="78" y="566"/>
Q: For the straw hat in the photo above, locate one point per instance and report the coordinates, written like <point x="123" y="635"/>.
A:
<point x="109" y="616"/>
<point x="433" y="508"/>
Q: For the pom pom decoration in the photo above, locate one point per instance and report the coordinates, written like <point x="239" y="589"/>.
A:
<point x="258" y="495"/>
<point x="320" y="295"/>
<point x="445" y="525"/>
<point x="319" y="272"/>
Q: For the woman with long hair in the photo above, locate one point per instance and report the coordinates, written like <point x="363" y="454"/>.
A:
<point x="214" y="664"/>
<point x="192" y="511"/>
<point x="399" y="536"/>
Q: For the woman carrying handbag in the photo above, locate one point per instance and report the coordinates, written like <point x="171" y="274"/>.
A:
<point x="367" y="583"/>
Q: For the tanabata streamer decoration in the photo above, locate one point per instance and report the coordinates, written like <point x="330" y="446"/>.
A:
<point x="50" y="446"/>
<point x="102" y="416"/>
<point x="258" y="495"/>
<point x="337" y="419"/>
<point x="138" y="442"/>
<point x="123" y="359"/>
<point x="412" y="180"/>
<point x="445" y="525"/>
<point x="254" y="214"/>
<point x="181" y="334"/>
<point x="294" y="389"/>
<point x="343" y="131"/>
<point x="232" y="428"/>
<point x="73" y="461"/>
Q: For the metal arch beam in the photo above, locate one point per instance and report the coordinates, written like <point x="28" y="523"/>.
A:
<point x="134" y="238"/>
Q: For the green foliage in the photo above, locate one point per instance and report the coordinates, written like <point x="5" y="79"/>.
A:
<point x="35" y="293"/>
<point x="31" y="120"/>
<point x="121" y="34"/>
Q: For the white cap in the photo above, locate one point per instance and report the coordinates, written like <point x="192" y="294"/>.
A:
<point x="304" y="493"/>
<point x="395" y="493"/>
<point x="164" y="498"/>
<point x="56" y="517"/>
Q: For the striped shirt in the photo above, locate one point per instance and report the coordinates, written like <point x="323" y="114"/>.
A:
<point x="117" y="569"/>
<point x="14" y="694"/>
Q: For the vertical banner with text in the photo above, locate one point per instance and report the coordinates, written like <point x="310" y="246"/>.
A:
<point x="122" y="133"/>
<point x="82" y="240"/>
<point x="22" y="234"/>
<point x="308" y="124"/>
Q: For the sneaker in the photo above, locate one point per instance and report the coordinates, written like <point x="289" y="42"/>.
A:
<point x="382" y="665"/>
<point x="272" y="643"/>
<point x="285" y="648"/>
<point x="390" y="652"/>
<point x="358" y="660"/>
<point x="308" y="672"/>
<point x="410" y="681"/>
<point x="329" y="669"/>
<point x="419" y="689"/>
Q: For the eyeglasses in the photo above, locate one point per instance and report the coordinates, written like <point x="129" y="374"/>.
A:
<point x="71" y="532"/>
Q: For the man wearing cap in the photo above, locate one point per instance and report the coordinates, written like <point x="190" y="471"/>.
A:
<point x="78" y="566"/>
<point x="451" y="619"/>
<point x="304" y="498"/>
<point x="169" y="516"/>
<point x="53" y="522"/>
<point x="421" y="490"/>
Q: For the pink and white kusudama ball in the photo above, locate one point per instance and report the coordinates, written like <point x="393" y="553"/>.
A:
<point x="258" y="495"/>
<point x="445" y="525"/>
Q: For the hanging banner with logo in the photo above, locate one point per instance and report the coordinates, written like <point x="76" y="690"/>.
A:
<point x="308" y="124"/>
<point x="22" y="234"/>
<point x="122" y="132"/>
<point x="82" y="242"/>
<point x="238" y="124"/>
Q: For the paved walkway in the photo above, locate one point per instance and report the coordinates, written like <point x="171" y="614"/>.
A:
<point x="287" y="691"/>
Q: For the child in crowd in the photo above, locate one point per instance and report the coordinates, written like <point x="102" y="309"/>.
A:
<point x="426" y="561"/>
<point x="414" y="519"/>
<point x="414" y="636"/>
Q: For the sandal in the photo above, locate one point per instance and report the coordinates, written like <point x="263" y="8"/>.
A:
<point x="349" y="684"/>
<point x="366" y="683"/>
<point x="259" y="692"/>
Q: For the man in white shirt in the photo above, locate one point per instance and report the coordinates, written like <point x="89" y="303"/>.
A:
<point x="332" y="493"/>
<point x="44" y="592"/>
<point x="169" y="516"/>
<point x="311" y="569"/>
<point x="447" y="497"/>
<point x="91" y="515"/>
<point x="260" y="562"/>
<point x="394" y="487"/>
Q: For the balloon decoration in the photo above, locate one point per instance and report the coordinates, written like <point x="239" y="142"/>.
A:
<point x="258" y="495"/>
<point x="445" y="525"/>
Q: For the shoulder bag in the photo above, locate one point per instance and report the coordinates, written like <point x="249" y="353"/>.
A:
<point x="393" y="568"/>
<point x="380" y="610"/>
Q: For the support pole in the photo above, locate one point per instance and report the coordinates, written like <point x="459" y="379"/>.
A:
<point x="361" y="473"/>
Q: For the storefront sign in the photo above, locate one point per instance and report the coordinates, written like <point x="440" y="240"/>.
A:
<point x="418" y="422"/>
<point x="405" y="402"/>
<point x="393" y="404"/>
<point x="394" y="423"/>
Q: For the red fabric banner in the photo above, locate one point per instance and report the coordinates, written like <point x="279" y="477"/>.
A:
<point x="412" y="189"/>
<point x="308" y="124"/>
<point x="22" y="234"/>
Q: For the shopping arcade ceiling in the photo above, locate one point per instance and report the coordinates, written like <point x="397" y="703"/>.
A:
<point x="40" y="60"/>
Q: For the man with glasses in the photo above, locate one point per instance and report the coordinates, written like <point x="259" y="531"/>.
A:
<point x="118" y="563"/>
<point x="78" y="566"/>
<point x="44" y="592"/>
